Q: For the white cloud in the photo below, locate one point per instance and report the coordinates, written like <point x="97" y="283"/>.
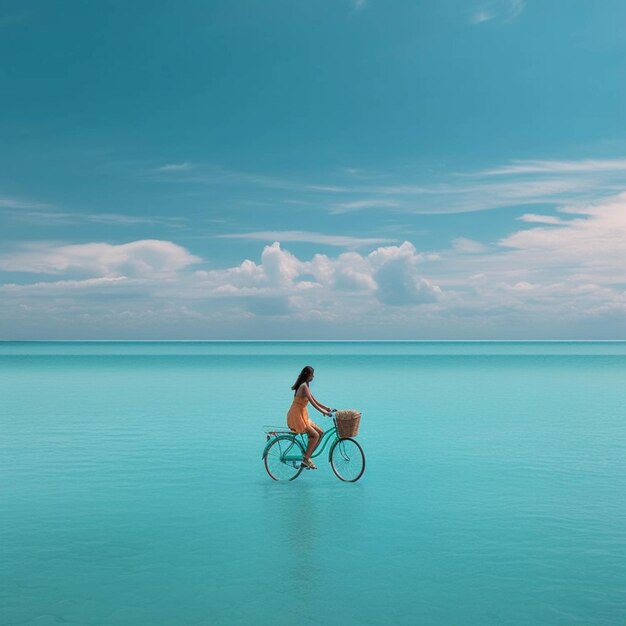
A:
<point x="137" y="258"/>
<point x="7" y="202"/>
<point x="44" y="217"/>
<point x="280" y="266"/>
<point x="481" y="16"/>
<point x="59" y="217"/>
<point x="560" y="274"/>
<point x="468" y="246"/>
<point x="503" y="10"/>
<point x="308" y="237"/>
<point x="174" y="167"/>
<point x="64" y="285"/>
<point x="515" y="9"/>
<point x="126" y="220"/>
<point x="388" y="274"/>
<point x="518" y="184"/>
<point x="521" y="182"/>
<point x="540" y="219"/>
<point x="592" y="244"/>
<point x="350" y="272"/>
<point x="587" y="166"/>
<point x="372" y="203"/>
<point x="463" y="198"/>
<point x="551" y="276"/>
<point x="395" y="272"/>
<point x="269" y="305"/>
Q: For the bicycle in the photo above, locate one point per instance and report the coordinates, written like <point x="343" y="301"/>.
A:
<point x="284" y="450"/>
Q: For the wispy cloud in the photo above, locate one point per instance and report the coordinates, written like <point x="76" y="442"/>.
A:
<point x="309" y="237"/>
<point x="88" y="283"/>
<point x="481" y="16"/>
<point x="124" y="220"/>
<point x="43" y="213"/>
<point x="586" y="166"/>
<point x="502" y="10"/>
<point x="52" y="217"/>
<point x="356" y="205"/>
<point x="540" y="219"/>
<point x="468" y="246"/>
<point x="174" y="167"/>
<point x="207" y="174"/>
<point x="515" y="8"/>
<point x="19" y="203"/>
<point x="517" y="183"/>
<point x="461" y="196"/>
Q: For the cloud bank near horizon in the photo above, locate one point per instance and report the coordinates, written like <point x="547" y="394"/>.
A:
<point x="551" y="273"/>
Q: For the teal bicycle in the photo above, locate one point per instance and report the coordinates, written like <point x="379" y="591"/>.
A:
<point x="284" y="450"/>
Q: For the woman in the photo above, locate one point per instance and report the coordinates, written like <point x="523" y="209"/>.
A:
<point x="298" y="417"/>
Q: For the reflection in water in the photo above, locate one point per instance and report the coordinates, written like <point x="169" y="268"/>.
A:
<point x="316" y="514"/>
<point x="294" y="507"/>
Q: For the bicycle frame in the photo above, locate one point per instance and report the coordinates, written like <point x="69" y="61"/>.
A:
<point x="329" y="435"/>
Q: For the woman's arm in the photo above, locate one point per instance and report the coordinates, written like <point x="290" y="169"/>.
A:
<point x="326" y="408"/>
<point x="320" y="407"/>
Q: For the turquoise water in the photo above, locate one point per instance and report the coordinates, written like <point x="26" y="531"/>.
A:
<point x="132" y="489"/>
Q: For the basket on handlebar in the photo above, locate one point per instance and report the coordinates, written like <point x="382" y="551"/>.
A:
<point x="347" y="421"/>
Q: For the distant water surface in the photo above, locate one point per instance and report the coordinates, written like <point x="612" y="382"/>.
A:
<point x="132" y="489"/>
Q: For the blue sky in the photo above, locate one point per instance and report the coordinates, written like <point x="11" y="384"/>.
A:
<point x="313" y="169"/>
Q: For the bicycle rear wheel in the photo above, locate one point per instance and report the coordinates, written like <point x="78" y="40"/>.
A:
<point x="276" y="465"/>
<point x="347" y="460"/>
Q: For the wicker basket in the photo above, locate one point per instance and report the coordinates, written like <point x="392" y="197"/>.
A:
<point x="348" y="422"/>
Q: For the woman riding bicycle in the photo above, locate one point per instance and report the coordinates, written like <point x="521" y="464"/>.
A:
<point x="298" y="417"/>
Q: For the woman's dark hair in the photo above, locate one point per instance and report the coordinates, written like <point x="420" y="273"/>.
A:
<point x="303" y="377"/>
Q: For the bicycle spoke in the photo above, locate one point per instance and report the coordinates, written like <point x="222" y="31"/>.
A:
<point x="276" y="465"/>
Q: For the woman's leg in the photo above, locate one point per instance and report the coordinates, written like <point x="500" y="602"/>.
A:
<point x="319" y="429"/>
<point x="313" y="437"/>
<point x="320" y="433"/>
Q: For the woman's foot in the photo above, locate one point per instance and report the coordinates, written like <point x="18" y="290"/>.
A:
<point x="308" y="464"/>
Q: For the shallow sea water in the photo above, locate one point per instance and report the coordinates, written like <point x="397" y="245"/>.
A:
<point x="132" y="489"/>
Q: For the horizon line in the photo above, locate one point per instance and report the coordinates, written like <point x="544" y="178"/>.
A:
<point x="313" y="340"/>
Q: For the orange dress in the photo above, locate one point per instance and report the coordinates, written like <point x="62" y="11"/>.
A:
<point x="298" y="417"/>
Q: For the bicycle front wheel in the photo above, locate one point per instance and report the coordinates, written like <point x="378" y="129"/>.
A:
<point x="347" y="460"/>
<point x="283" y="459"/>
